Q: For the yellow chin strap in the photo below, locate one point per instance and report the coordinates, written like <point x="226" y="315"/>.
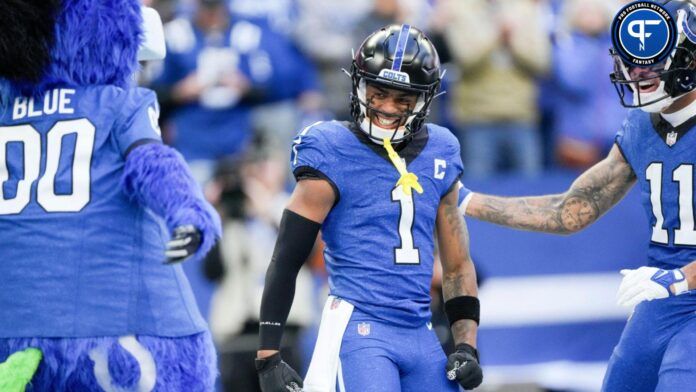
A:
<point x="407" y="180"/>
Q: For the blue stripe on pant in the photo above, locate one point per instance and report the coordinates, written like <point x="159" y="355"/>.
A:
<point x="182" y="364"/>
<point x="380" y="357"/>
<point x="657" y="350"/>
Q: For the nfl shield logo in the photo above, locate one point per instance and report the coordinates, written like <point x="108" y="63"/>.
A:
<point x="671" y="138"/>
<point x="335" y="303"/>
<point x="363" y="329"/>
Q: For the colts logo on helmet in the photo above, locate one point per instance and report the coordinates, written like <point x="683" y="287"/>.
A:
<point x="686" y="28"/>
<point x="397" y="76"/>
<point x="644" y="33"/>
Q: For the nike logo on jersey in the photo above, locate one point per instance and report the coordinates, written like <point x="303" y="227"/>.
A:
<point x="440" y="165"/>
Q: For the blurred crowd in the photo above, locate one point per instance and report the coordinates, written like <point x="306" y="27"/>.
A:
<point x="527" y="85"/>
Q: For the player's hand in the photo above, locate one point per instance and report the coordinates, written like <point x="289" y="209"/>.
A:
<point x="649" y="283"/>
<point x="184" y="243"/>
<point x="277" y="376"/>
<point x="463" y="366"/>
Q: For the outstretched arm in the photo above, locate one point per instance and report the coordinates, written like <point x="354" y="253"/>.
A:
<point x="459" y="289"/>
<point x="157" y="177"/>
<point x="591" y="195"/>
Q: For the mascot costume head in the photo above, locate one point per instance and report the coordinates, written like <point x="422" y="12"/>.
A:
<point x="140" y="337"/>
<point x="47" y="43"/>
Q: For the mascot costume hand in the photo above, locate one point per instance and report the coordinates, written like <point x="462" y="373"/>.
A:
<point x="91" y="205"/>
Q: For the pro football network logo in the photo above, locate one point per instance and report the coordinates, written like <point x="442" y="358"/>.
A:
<point x="643" y="33"/>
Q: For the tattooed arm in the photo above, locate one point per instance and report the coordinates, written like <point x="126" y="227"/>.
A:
<point x="591" y="195"/>
<point x="458" y="273"/>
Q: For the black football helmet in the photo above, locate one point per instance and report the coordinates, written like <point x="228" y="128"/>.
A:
<point x="399" y="57"/>
<point x="675" y="75"/>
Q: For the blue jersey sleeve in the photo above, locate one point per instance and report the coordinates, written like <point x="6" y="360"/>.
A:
<point x="311" y="155"/>
<point x="138" y="119"/>
<point x="456" y="172"/>
<point x="309" y="150"/>
<point x="464" y="192"/>
<point x="451" y="168"/>
<point x="625" y="135"/>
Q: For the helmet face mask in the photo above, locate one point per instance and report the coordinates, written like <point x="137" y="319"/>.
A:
<point x="372" y="115"/>
<point x="399" y="58"/>
<point x="665" y="81"/>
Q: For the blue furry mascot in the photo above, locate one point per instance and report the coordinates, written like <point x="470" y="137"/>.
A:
<point x="95" y="211"/>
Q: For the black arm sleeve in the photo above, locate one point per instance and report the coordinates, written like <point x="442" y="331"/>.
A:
<point x="296" y="238"/>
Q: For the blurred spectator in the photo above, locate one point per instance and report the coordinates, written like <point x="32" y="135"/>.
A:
<point x="546" y="100"/>
<point x="324" y="31"/>
<point x="166" y="8"/>
<point x="386" y="12"/>
<point x="588" y="114"/>
<point x="226" y="75"/>
<point x="205" y="78"/>
<point x="327" y="30"/>
<point x="251" y="197"/>
<point x="279" y="14"/>
<point x="500" y="47"/>
<point x="286" y="90"/>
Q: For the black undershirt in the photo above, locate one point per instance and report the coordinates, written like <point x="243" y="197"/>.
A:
<point x="663" y="127"/>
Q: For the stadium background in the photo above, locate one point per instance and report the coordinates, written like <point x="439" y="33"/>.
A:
<point x="529" y="97"/>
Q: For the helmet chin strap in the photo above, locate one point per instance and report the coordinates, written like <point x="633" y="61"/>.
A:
<point x="682" y="115"/>
<point x="662" y="100"/>
<point x="377" y="134"/>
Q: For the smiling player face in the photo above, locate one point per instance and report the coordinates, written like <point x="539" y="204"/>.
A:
<point x="391" y="106"/>
<point x="650" y="78"/>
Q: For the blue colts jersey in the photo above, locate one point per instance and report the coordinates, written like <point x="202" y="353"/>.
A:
<point x="664" y="165"/>
<point x="379" y="240"/>
<point x="78" y="259"/>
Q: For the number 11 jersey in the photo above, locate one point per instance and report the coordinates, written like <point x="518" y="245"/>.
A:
<point x="379" y="240"/>
<point x="663" y="158"/>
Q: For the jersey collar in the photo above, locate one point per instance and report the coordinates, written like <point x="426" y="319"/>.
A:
<point x="670" y="134"/>
<point x="408" y="150"/>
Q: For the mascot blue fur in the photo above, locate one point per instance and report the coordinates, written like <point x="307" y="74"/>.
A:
<point x="98" y="212"/>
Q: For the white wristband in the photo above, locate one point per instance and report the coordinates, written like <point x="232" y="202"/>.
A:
<point x="682" y="286"/>
<point x="465" y="203"/>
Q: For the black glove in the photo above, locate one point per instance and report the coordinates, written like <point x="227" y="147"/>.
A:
<point x="277" y="376"/>
<point x="463" y="366"/>
<point x="184" y="243"/>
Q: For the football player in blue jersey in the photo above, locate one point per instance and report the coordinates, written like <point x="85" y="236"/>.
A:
<point x="377" y="188"/>
<point x="86" y="190"/>
<point x="654" y="149"/>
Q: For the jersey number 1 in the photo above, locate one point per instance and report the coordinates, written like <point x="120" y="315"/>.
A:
<point x="46" y="196"/>
<point x="406" y="253"/>
<point x="684" y="175"/>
